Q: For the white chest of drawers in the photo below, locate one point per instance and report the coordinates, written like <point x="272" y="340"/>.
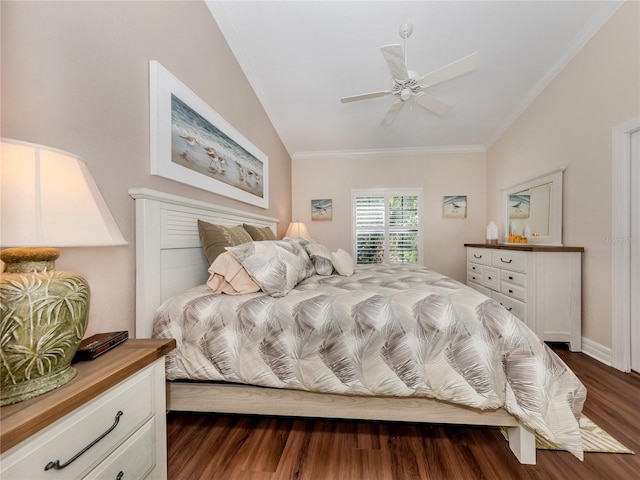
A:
<point x="108" y="422"/>
<point x="542" y="286"/>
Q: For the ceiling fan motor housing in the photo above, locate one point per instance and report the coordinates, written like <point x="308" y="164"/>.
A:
<point x="406" y="29"/>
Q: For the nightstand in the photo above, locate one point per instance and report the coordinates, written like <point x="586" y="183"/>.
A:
<point x="108" y="422"/>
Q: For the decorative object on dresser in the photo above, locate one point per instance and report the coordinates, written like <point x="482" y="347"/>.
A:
<point x="108" y="423"/>
<point x="48" y="199"/>
<point x="541" y="285"/>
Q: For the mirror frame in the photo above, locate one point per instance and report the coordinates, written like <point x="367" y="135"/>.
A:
<point x="555" y="206"/>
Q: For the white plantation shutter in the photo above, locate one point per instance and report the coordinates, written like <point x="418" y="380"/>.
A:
<point x="387" y="226"/>
<point x="370" y="229"/>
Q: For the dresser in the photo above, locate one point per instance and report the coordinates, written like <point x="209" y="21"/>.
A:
<point x="108" y="422"/>
<point x="540" y="285"/>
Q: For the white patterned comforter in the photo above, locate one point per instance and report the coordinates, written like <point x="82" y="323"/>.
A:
<point x="385" y="331"/>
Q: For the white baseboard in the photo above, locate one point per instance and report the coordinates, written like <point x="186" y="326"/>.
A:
<point x="597" y="351"/>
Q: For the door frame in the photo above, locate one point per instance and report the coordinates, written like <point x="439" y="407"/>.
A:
<point x="621" y="245"/>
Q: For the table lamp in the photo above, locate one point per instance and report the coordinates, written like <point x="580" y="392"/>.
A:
<point x="48" y="199"/>
<point x="297" y="230"/>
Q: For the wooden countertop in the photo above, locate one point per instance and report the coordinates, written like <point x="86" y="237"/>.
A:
<point x="525" y="247"/>
<point x="21" y="420"/>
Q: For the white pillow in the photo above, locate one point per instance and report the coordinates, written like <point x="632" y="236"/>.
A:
<point x="343" y="263"/>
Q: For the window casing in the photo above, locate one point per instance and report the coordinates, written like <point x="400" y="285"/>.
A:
<point x="387" y="226"/>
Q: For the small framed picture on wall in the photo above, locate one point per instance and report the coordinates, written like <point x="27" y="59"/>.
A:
<point x="454" y="206"/>
<point x="322" y="209"/>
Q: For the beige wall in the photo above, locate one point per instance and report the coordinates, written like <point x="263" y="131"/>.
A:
<point x="437" y="174"/>
<point x="570" y="124"/>
<point x="75" y="77"/>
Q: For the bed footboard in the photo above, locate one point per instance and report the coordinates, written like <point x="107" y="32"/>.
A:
<point x="252" y="400"/>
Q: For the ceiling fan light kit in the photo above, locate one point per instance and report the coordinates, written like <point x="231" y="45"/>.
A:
<point x="407" y="84"/>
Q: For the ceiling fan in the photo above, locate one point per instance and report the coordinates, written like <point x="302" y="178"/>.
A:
<point x="407" y="84"/>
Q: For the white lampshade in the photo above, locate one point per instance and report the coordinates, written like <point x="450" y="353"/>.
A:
<point x="50" y="199"/>
<point x="297" y="230"/>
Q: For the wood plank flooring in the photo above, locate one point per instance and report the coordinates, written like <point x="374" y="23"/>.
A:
<point x="229" y="447"/>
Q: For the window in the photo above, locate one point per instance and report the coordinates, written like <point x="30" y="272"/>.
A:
<point x="386" y="226"/>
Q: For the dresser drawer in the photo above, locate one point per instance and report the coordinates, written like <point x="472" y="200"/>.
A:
<point x="134" y="459"/>
<point x="491" y="278"/>
<point x="475" y="268"/>
<point x="515" y="261"/>
<point x="479" y="255"/>
<point x="519" y="279"/>
<point x="517" y="308"/>
<point x="475" y="274"/>
<point x="73" y="433"/>
<point x="514" y="291"/>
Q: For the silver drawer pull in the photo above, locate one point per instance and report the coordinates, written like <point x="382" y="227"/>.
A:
<point x="477" y="256"/>
<point x="504" y="261"/>
<point x="56" y="465"/>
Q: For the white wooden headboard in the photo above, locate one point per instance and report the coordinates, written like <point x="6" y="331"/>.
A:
<point x="169" y="257"/>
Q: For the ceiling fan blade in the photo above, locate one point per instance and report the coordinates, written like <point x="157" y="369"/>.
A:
<point x="432" y="104"/>
<point x="364" y="96"/>
<point x="453" y="70"/>
<point x="392" y="113"/>
<point x="395" y="60"/>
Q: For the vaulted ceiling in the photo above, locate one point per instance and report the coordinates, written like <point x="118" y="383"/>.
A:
<point x="301" y="57"/>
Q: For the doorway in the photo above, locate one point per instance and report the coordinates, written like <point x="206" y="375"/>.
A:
<point x="635" y="250"/>
<point x="625" y="246"/>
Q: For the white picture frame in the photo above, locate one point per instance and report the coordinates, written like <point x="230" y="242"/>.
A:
<point x="193" y="144"/>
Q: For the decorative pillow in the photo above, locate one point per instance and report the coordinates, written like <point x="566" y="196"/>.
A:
<point x="343" y="263"/>
<point x="214" y="238"/>
<point x="259" y="234"/>
<point x="275" y="265"/>
<point x="230" y="277"/>
<point x="320" y="257"/>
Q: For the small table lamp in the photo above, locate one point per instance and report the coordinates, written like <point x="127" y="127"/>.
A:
<point x="297" y="230"/>
<point x="48" y="199"/>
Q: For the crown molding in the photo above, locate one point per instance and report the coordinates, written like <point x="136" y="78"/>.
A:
<point x="389" y="152"/>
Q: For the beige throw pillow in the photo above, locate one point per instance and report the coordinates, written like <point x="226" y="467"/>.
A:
<point x="230" y="277"/>
<point x="214" y="238"/>
<point x="259" y="234"/>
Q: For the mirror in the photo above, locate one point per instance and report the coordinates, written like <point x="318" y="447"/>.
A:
<point x="533" y="209"/>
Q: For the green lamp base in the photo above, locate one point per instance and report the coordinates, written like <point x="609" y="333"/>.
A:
<point x="43" y="319"/>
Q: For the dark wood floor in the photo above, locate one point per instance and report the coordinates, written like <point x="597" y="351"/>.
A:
<point x="208" y="446"/>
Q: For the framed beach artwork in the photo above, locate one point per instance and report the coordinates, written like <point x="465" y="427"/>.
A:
<point x="322" y="209"/>
<point x="519" y="206"/>
<point x="454" y="206"/>
<point x="192" y="144"/>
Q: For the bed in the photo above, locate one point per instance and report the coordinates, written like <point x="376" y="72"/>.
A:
<point x="171" y="264"/>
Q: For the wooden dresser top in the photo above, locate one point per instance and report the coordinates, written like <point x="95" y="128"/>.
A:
<point x="21" y="420"/>
<point x="525" y="247"/>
